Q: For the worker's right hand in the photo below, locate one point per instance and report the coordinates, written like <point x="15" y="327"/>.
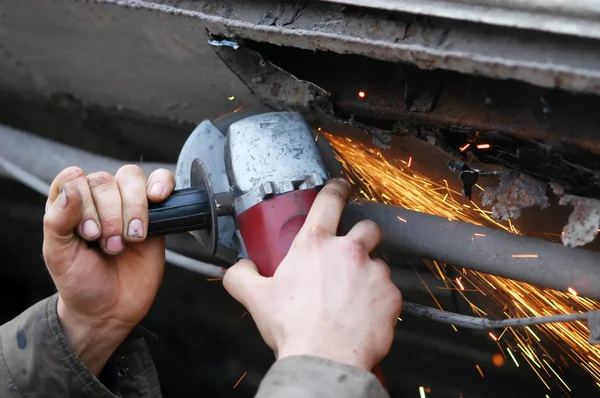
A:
<point x="328" y="298"/>
<point x="107" y="273"/>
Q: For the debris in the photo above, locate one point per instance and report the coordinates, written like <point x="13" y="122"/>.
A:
<point x="224" y="43"/>
<point x="557" y="189"/>
<point x="515" y="192"/>
<point x="583" y="223"/>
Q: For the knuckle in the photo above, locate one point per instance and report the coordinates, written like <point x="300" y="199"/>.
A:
<point x="396" y="298"/>
<point x="330" y="192"/>
<point x="99" y="179"/>
<point x="111" y="223"/>
<point x="355" y="249"/>
<point x="130" y="170"/>
<point x="50" y="221"/>
<point x="136" y="208"/>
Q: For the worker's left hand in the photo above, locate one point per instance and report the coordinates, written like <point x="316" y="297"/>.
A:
<point x="106" y="272"/>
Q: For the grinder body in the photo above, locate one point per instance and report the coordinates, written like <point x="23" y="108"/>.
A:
<point x="275" y="169"/>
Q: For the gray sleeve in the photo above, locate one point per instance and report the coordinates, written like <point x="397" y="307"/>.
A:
<point x="36" y="360"/>
<point x="313" y="377"/>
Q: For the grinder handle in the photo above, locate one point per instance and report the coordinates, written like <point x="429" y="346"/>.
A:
<point x="269" y="228"/>
<point x="184" y="210"/>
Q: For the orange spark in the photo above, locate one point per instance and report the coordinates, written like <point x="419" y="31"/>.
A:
<point x="409" y="161"/>
<point x="241" y="378"/>
<point x="483" y="146"/>
<point x="214" y="279"/>
<point x="524" y="256"/>
<point x="498" y="360"/>
<point x="362" y="94"/>
<point x="572" y="291"/>
<point x="244" y="314"/>
<point x="464" y="148"/>
<point x="493" y="336"/>
<point x="460" y="285"/>
<point x="479" y="234"/>
<point x="401" y="219"/>
<point x="480" y="371"/>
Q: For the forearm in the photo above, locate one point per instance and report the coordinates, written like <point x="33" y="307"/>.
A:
<point x="92" y="342"/>
<point x="37" y="360"/>
<point x="309" y="377"/>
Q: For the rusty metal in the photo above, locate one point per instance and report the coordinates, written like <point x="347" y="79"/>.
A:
<point x="583" y="223"/>
<point x="276" y="88"/>
<point x="515" y="192"/>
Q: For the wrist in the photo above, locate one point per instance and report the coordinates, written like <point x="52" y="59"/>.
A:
<point x="343" y="355"/>
<point x="93" y="341"/>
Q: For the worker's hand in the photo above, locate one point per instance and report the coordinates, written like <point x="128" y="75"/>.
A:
<point x="106" y="272"/>
<point x="328" y="298"/>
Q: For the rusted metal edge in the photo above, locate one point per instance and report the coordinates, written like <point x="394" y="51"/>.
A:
<point x="541" y="59"/>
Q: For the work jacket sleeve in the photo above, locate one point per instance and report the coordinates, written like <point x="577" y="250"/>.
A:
<point x="313" y="377"/>
<point x="36" y="360"/>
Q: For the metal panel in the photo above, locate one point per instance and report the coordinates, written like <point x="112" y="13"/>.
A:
<point x="534" y="57"/>
<point x="578" y="18"/>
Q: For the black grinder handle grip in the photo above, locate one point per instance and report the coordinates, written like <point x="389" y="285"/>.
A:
<point x="184" y="210"/>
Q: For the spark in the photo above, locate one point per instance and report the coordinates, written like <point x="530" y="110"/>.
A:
<point x="362" y="94"/>
<point x="231" y="97"/>
<point x="464" y="148"/>
<point x="479" y="234"/>
<point x="244" y="314"/>
<point x="241" y="378"/>
<point x="572" y="291"/>
<point x="498" y="360"/>
<point x="401" y="219"/>
<point x="460" y="285"/>
<point x="483" y="146"/>
<point x="513" y="357"/>
<point x="556" y="374"/>
<point x="493" y="336"/>
<point x="214" y="279"/>
<point x="409" y="161"/>
<point x="478" y="186"/>
<point x="480" y="371"/>
<point x="422" y="392"/>
<point x="370" y="171"/>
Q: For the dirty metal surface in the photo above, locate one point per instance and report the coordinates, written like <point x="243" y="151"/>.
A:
<point x="276" y="88"/>
<point x="132" y="60"/>
<point x="535" y="57"/>
<point x="558" y="16"/>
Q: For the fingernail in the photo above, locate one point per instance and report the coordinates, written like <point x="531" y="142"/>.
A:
<point x="114" y="244"/>
<point x="135" y="229"/>
<point x="157" y="189"/>
<point x="90" y="229"/>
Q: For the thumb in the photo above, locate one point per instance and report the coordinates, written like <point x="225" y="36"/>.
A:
<point x="242" y="281"/>
<point x="60" y="221"/>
